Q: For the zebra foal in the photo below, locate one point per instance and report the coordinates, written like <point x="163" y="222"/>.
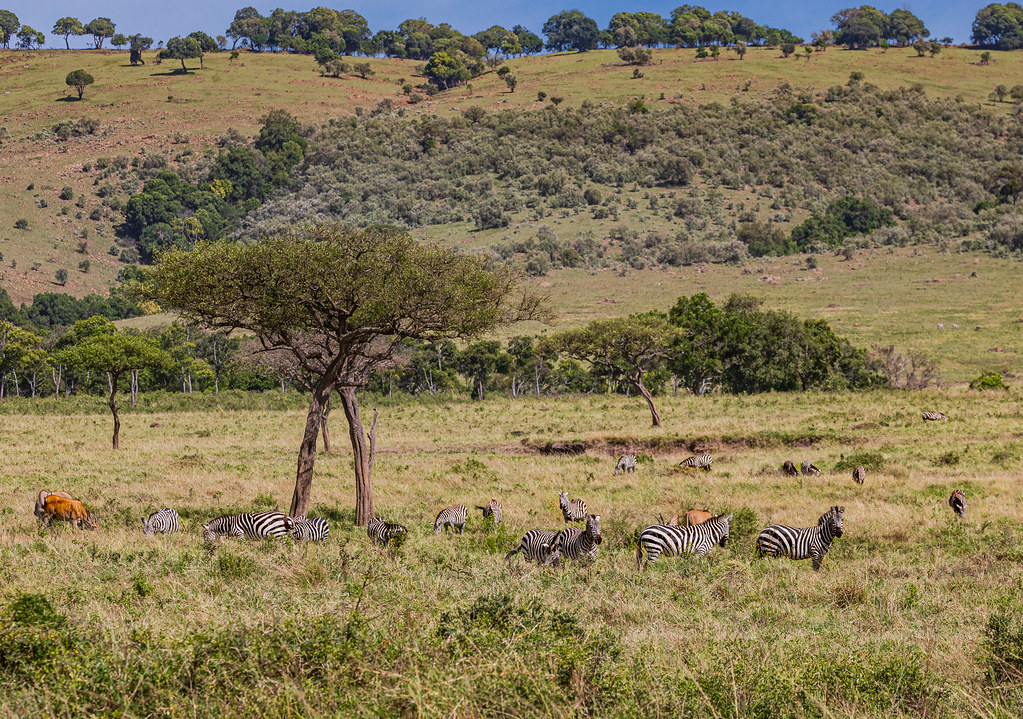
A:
<point x="625" y="464"/>
<point x="934" y="417"/>
<point x="958" y="503"/>
<point x="779" y="540"/>
<point x="164" y="521"/>
<point x="697" y="461"/>
<point x="492" y="510"/>
<point x="539" y="545"/>
<point x="313" y="530"/>
<point x="572" y="511"/>
<point x="382" y="532"/>
<point x="659" y="539"/>
<point x="453" y="517"/>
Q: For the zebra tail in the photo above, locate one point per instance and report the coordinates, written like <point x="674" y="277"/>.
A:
<point x="512" y="553"/>
<point x="639" y="555"/>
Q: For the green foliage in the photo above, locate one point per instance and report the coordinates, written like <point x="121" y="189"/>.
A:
<point x="21" y="224"/>
<point x="182" y="48"/>
<point x="999" y="26"/>
<point x="447" y="70"/>
<point x="1003" y="643"/>
<point x="988" y="380"/>
<point x="101" y="28"/>
<point x="60" y="276"/>
<point x="68" y="26"/>
<point x="843" y="218"/>
<point x="79" y="79"/>
<point x="34" y="610"/>
<point x="872" y="461"/>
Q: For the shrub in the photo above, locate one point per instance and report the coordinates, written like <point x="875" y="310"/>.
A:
<point x="988" y="380"/>
<point x="21" y="224"/>
<point x="66" y="193"/>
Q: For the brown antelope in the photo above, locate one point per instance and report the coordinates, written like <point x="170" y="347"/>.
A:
<point x="697" y="516"/>
<point x="43" y="494"/>
<point x="68" y="510"/>
<point x="789" y="468"/>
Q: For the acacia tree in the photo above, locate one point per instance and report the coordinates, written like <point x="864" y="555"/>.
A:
<point x="340" y="301"/>
<point x="100" y="29"/>
<point x="78" y="79"/>
<point x="68" y="26"/>
<point x="182" y="48"/>
<point x="627" y="347"/>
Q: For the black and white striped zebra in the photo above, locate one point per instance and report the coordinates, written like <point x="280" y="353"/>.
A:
<point x="382" y="532"/>
<point x="453" y="517"/>
<point x="697" y="461"/>
<point x="807" y="468"/>
<point x="779" y="540"/>
<point x="581" y="544"/>
<point x="572" y="510"/>
<point x="539" y="545"/>
<point x="660" y="539"/>
<point x="492" y="510"/>
<point x="312" y="530"/>
<point x="859" y="474"/>
<point x="934" y="417"/>
<point x="223" y="526"/>
<point x="251" y="525"/>
<point x="163" y="521"/>
<point x="958" y="503"/>
<point x="626" y="463"/>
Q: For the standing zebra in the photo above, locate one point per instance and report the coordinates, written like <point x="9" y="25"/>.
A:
<point x="660" y="539"/>
<point x="574" y="510"/>
<point x="958" y="503"/>
<point x="382" y="532"/>
<point x="697" y="461"/>
<point x="802" y="543"/>
<point x="934" y="417"/>
<point x="859" y="474"/>
<point x="538" y="545"/>
<point x="807" y="468"/>
<point x="252" y="525"/>
<point x="313" y="530"/>
<point x="581" y="544"/>
<point x="492" y="510"/>
<point x="626" y="463"/>
<point x="164" y="521"/>
<point x="453" y="517"/>
<point x="789" y="468"/>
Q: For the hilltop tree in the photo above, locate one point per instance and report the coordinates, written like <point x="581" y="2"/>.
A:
<point x="905" y="28"/>
<point x="9" y="25"/>
<point x="78" y="79"/>
<point x="341" y="301"/>
<point x="68" y="26"/>
<point x="182" y="48"/>
<point x="1000" y="26"/>
<point x="100" y="29"/>
<point x="571" y="30"/>
<point x="27" y="36"/>
<point x="447" y="70"/>
<point x="530" y="42"/>
<point x="119" y="40"/>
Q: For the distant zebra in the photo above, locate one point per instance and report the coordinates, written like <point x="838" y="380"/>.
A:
<point x="382" y="532"/>
<point x="313" y="530"/>
<point x="859" y="474"/>
<point x="958" y="503"/>
<point x="492" y="510"/>
<point x="934" y="417"/>
<point x="453" y="517"/>
<point x="538" y="545"/>
<point x="779" y="540"/>
<point x="660" y="539"/>
<point x="164" y="521"/>
<point x="581" y="544"/>
<point x="807" y="468"/>
<point x="572" y="511"/>
<point x="626" y="463"/>
<point x="697" y="461"/>
<point x="789" y="468"/>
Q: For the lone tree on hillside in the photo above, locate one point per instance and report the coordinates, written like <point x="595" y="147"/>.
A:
<point x="182" y="48"/>
<point x="78" y="79"/>
<point x="101" y="28"/>
<point x="68" y="26"/>
<point x="341" y="301"/>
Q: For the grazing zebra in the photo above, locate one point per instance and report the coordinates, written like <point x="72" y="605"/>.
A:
<point x="859" y="474"/>
<point x="626" y="463"/>
<point x="164" y="521"/>
<point x="453" y="517"/>
<point x="223" y="526"/>
<point x="581" y="544"/>
<point x="808" y="468"/>
<point x="313" y="530"/>
<point x="789" y="468"/>
<point x="802" y="543"/>
<point x="251" y="525"/>
<point x="660" y="539"/>
<point x="492" y="510"/>
<point x="934" y="417"/>
<point x="697" y="461"/>
<point x="574" y="510"/>
<point x="538" y="545"/>
<point x="382" y="532"/>
<point x="958" y="503"/>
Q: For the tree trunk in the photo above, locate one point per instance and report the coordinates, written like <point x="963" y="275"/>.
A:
<point x="654" y="414"/>
<point x="324" y="427"/>
<point x="307" y="452"/>
<point x="361" y="454"/>
<point x="112" y="380"/>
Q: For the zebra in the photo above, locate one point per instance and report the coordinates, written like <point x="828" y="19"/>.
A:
<point x="789" y="468"/>
<point x="807" y="468"/>
<point x="700" y="539"/>
<point x="934" y="417"/>
<point x="164" y="521"/>
<point x="453" y="517"/>
<point x="492" y="510"/>
<point x="859" y="474"/>
<point x="225" y="525"/>
<point x="626" y="463"/>
<point x="572" y="510"/>
<point x="581" y="544"/>
<point x="314" y="530"/>
<point x="382" y="532"/>
<point x="251" y="525"/>
<point x="778" y="540"/>
<point x="539" y="545"/>
<point x="958" y="503"/>
<point x="697" y="461"/>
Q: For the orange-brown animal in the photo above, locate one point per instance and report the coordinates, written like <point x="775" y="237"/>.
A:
<point x="43" y="494"/>
<point x="68" y="510"/>
<point x="697" y="516"/>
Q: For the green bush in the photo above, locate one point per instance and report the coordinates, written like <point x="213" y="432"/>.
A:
<point x="1003" y="644"/>
<point x="988" y="380"/>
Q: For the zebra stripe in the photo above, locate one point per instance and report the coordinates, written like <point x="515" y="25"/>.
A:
<point x="492" y="510"/>
<point x="225" y="525"/>
<point x="453" y="517"/>
<point x="626" y="463"/>
<point x="660" y="539"/>
<point x="382" y="532"/>
<point x="808" y="468"/>
<point x="958" y="503"/>
<point x="538" y="545"/>
<point x="572" y="511"/>
<point x="779" y="540"/>
<point x="264" y="525"/>
<point x="164" y="521"/>
<point x="934" y="417"/>
<point x="314" y="530"/>
<point x="581" y="544"/>
<point x="859" y="474"/>
<point x="697" y="461"/>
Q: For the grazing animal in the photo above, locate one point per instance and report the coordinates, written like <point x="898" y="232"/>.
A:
<point x="660" y="539"/>
<point x="941" y="326"/>
<point x="626" y="463"/>
<point x="696" y="516"/>
<point x="955" y="326"/>
<point x="859" y="474"/>
<point x="165" y="521"/>
<point x="697" y="461"/>
<point x="41" y="499"/>
<point x="382" y="532"/>
<point x="493" y="510"/>
<point x="581" y="544"/>
<point x="934" y="417"/>
<point x="251" y="525"/>
<point x="453" y="517"/>
<point x="572" y="511"/>
<point x="789" y="468"/>
<point x="807" y="468"/>
<point x="538" y="545"/>
<point x="68" y="510"/>
<point x="226" y="525"/>
<point x="313" y="530"/>
<point x="958" y="503"/>
<point x="779" y="540"/>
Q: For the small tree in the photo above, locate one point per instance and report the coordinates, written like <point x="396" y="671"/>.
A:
<point x="60" y="276"/>
<point x="985" y="57"/>
<point x="100" y="29"/>
<point x="182" y="48"/>
<point x="119" y="40"/>
<point x="78" y="79"/>
<point x="68" y="26"/>
<point x="363" y="69"/>
<point x="511" y="81"/>
<point x="29" y="36"/>
<point x="1000" y="92"/>
<point x="787" y="48"/>
<point x="740" y="50"/>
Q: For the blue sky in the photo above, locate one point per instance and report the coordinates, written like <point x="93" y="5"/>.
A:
<point x="162" y="19"/>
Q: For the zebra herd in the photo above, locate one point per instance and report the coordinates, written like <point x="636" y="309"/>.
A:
<point x="250" y="525"/>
